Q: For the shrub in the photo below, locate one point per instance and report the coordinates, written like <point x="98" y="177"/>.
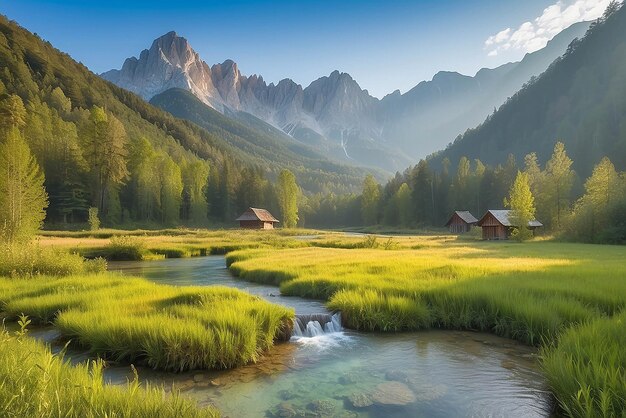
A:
<point x="34" y="260"/>
<point x="125" y="248"/>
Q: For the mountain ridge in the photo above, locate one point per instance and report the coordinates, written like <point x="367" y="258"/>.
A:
<point x="333" y="113"/>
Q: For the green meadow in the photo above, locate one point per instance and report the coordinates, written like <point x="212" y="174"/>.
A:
<point x="566" y="299"/>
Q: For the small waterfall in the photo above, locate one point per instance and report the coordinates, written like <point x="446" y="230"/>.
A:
<point x="316" y="324"/>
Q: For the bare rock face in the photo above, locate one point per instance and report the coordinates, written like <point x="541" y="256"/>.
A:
<point x="330" y="107"/>
<point x="169" y="63"/>
<point x="393" y="393"/>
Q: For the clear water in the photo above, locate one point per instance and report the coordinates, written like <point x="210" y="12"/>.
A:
<point x="210" y="271"/>
<point x="350" y="374"/>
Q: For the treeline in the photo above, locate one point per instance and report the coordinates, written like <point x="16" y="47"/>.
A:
<point x="89" y="160"/>
<point x="593" y="210"/>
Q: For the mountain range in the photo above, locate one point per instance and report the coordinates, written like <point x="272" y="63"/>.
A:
<point x="334" y="115"/>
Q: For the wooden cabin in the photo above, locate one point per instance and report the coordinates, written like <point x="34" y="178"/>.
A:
<point x="461" y="222"/>
<point x="496" y="224"/>
<point x="255" y="218"/>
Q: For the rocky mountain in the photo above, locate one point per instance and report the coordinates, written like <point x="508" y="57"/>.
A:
<point x="334" y="114"/>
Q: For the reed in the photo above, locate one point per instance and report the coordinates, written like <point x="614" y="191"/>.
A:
<point x="164" y="327"/>
<point x="37" y="383"/>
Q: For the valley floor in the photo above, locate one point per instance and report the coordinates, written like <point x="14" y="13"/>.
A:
<point x="568" y="299"/>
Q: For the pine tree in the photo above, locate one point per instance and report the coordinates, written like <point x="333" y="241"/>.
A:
<point x="23" y="198"/>
<point x="522" y="205"/>
<point x="288" y="192"/>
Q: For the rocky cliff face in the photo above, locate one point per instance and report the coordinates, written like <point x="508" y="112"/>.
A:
<point x="333" y="112"/>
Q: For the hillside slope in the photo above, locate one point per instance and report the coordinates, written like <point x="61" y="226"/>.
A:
<point x="33" y="67"/>
<point x="76" y="123"/>
<point x="580" y="100"/>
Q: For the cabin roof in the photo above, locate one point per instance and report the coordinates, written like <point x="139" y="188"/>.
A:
<point x="256" y="214"/>
<point x="465" y="215"/>
<point x="503" y="216"/>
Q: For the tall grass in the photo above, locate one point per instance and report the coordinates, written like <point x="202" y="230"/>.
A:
<point x="36" y="383"/>
<point x="34" y="260"/>
<point x="165" y="327"/>
<point x="587" y="369"/>
<point x="568" y="298"/>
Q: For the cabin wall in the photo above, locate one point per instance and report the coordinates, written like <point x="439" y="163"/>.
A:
<point x="496" y="232"/>
<point x="256" y="225"/>
<point x="251" y="225"/>
<point x="458" y="225"/>
<point x="459" y="228"/>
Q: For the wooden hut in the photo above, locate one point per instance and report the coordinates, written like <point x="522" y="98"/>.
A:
<point x="496" y="224"/>
<point x="254" y="218"/>
<point x="461" y="222"/>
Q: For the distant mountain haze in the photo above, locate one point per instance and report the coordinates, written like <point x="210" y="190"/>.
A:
<point x="333" y="114"/>
<point x="580" y="100"/>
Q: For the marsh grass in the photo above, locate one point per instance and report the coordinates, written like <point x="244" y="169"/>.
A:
<point x="34" y="260"/>
<point x="36" y="383"/>
<point x="566" y="298"/>
<point x="133" y="320"/>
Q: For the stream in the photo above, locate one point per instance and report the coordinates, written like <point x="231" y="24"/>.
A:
<point x="332" y="372"/>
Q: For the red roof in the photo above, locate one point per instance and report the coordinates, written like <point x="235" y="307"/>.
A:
<point x="254" y="214"/>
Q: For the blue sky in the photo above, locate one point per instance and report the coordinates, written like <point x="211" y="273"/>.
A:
<point x="384" y="45"/>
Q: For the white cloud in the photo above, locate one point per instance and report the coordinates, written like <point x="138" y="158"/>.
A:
<point x="532" y="36"/>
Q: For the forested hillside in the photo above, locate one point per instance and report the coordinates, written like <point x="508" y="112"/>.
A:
<point x="580" y="100"/>
<point x="101" y="146"/>
<point x="248" y="133"/>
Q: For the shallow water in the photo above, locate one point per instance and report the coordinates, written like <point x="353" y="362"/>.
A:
<point x="426" y="374"/>
<point x="209" y="271"/>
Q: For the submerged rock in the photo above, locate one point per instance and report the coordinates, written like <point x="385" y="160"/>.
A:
<point x="287" y="410"/>
<point x="396" y="375"/>
<point x="287" y="394"/>
<point x="393" y="393"/>
<point x="347" y="379"/>
<point x="322" y="407"/>
<point x="425" y="392"/>
<point x="360" y="400"/>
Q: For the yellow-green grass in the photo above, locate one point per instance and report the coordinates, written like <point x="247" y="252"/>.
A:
<point x="136" y="245"/>
<point x="33" y="260"/>
<point x="569" y="298"/>
<point x="179" y="243"/>
<point x="36" y="383"/>
<point x="134" y="320"/>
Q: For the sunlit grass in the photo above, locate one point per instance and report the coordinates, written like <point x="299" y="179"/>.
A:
<point x="165" y="327"/>
<point x="568" y="298"/>
<point x="36" y="383"/>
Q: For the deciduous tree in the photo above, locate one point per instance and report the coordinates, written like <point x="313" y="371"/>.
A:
<point x="522" y="205"/>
